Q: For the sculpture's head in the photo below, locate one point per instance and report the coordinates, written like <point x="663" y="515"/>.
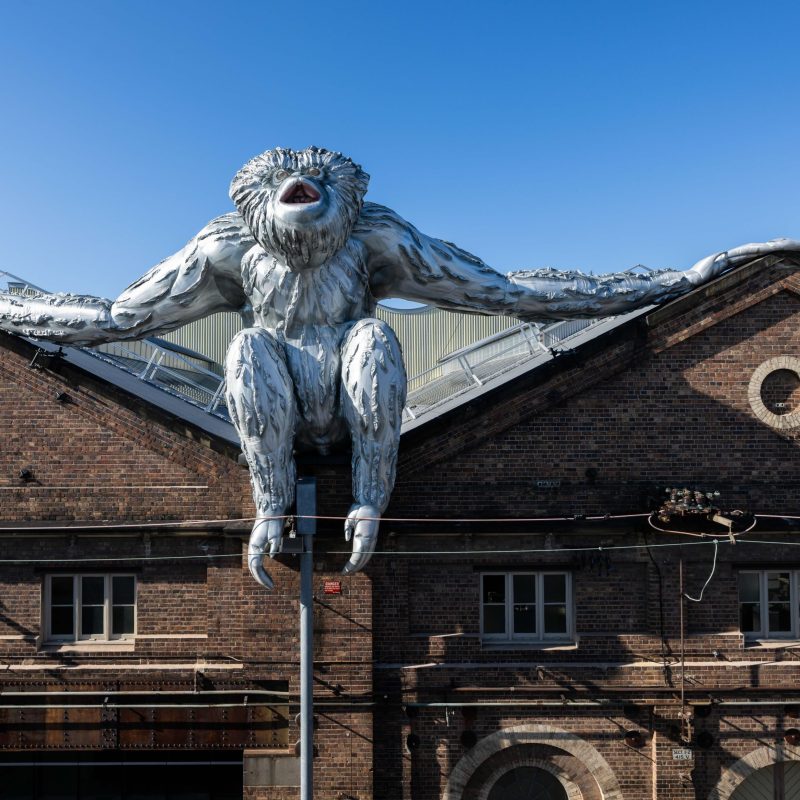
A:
<point x="300" y="204"/>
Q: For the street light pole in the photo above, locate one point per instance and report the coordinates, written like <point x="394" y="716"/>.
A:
<point x="306" y="528"/>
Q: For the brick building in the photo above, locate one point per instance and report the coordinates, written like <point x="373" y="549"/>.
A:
<point x="520" y="631"/>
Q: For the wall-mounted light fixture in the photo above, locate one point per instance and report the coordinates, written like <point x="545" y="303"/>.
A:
<point x="634" y="739"/>
<point x="469" y="739"/>
<point x="792" y="737"/>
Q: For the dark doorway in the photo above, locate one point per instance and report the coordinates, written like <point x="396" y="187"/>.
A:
<point x="527" y="783"/>
<point x="99" y="776"/>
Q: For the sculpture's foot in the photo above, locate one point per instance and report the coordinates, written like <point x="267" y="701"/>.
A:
<point x="265" y="539"/>
<point x="361" y="526"/>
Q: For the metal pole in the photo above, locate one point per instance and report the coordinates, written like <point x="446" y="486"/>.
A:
<point x="306" y="528"/>
<point x="685" y="733"/>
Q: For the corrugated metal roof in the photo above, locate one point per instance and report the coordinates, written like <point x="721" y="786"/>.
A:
<point x="426" y="334"/>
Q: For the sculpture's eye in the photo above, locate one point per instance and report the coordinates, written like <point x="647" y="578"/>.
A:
<point x="280" y="175"/>
<point x="313" y="171"/>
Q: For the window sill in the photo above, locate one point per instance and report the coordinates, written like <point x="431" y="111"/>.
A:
<point x="120" y="646"/>
<point x="523" y="645"/>
<point x="770" y="644"/>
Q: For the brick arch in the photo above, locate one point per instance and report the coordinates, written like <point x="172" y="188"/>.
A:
<point x="738" y="772"/>
<point x="533" y="735"/>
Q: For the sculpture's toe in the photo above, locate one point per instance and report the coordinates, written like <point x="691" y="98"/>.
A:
<point x="361" y="526"/>
<point x="265" y="539"/>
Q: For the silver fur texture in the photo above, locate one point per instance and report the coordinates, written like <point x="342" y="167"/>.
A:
<point x="304" y="260"/>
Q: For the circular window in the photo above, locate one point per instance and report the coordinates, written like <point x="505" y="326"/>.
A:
<point x="774" y="392"/>
<point x="780" y="392"/>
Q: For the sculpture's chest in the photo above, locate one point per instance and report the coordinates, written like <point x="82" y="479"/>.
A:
<point x="288" y="301"/>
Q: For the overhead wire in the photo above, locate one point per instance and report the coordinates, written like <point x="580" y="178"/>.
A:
<point x="230" y="520"/>
<point x="7" y="525"/>
<point x="708" y="580"/>
<point x="397" y="553"/>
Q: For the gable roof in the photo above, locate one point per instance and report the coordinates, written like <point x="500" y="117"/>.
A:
<point x="615" y="344"/>
<point x="506" y="373"/>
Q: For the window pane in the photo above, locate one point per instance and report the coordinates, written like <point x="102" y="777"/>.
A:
<point x="555" y="588"/>
<point x="122" y="590"/>
<point x="123" y="619"/>
<point x="555" y="619"/>
<point x="494" y="588"/>
<point x="61" y="591"/>
<point x="748" y="587"/>
<point x="750" y="617"/>
<point x="524" y="618"/>
<point x="93" y="590"/>
<point x="61" y="621"/>
<point x="778" y="586"/>
<point x="780" y="618"/>
<point x="494" y="619"/>
<point x="524" y="588"/>
<point x="92" y="620"/>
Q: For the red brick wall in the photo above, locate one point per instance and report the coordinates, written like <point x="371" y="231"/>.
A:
<point x="106" y="459"/>
<point x="648" y="406"/>
<point x="654" y="406"/>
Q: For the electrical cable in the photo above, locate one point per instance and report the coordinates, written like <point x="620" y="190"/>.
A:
<point x="229" y="520"/>
<point x="704" y="535"/>
<point x="708" y="580"/>
<point x="5" y="526"/>
<point x="396" y="553"/>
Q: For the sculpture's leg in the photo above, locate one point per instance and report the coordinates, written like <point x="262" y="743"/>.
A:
<point x="261" y="404"/>
<point x="373" y="396"/>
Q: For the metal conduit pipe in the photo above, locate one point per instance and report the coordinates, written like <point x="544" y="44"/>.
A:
<point x="157" y="692"/>
<point x="621" y="693"/>
<point x="515" y="704"/>
<point x="589" y="703"/>
<point x="750" y="703"/>
<point x="68" y="706"/>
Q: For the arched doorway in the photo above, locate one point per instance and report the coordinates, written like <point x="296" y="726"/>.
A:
<point x="767" y="772"/>
<point x="527" y="783"/>
<point x="779" y="781"/>
<point x="579" y="769"/>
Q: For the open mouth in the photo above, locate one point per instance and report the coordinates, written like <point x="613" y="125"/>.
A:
<point x="300" y="193"/>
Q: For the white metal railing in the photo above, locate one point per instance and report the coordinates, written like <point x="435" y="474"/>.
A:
<point x="485" y="360"/>
<point x="173" y="368"/>
<point x="178" y="370"/>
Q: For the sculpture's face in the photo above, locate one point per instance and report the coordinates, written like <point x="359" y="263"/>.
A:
<point x="300" y="205"/>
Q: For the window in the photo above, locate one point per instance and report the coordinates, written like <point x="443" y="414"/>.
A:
<point x="768" y="604"/>
<point x="526" y="606"/>
<point x="89" y="608"/>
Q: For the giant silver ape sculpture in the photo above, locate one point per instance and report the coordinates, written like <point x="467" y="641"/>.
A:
<point x="305" y="261"/>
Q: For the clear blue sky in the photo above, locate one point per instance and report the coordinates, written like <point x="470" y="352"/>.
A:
<point x="570" y="134"/>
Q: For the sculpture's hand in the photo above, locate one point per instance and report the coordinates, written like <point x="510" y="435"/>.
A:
<point x="265" y="539"/>
<point x="404" y="262"/>
<point x="714" y="265"/>
<point x="65" y="318"/>
<point x="361" y="526"/>
<point x="202" y="278"/>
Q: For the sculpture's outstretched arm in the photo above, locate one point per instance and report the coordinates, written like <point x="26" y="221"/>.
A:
<point x="405" y="263"/>
<point x="203" y="277"/>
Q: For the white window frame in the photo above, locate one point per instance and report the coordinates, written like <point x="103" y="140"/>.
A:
<point x="77" y="636"/>
<point x="540" y="637"/>
<point x="763" y="601"/>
